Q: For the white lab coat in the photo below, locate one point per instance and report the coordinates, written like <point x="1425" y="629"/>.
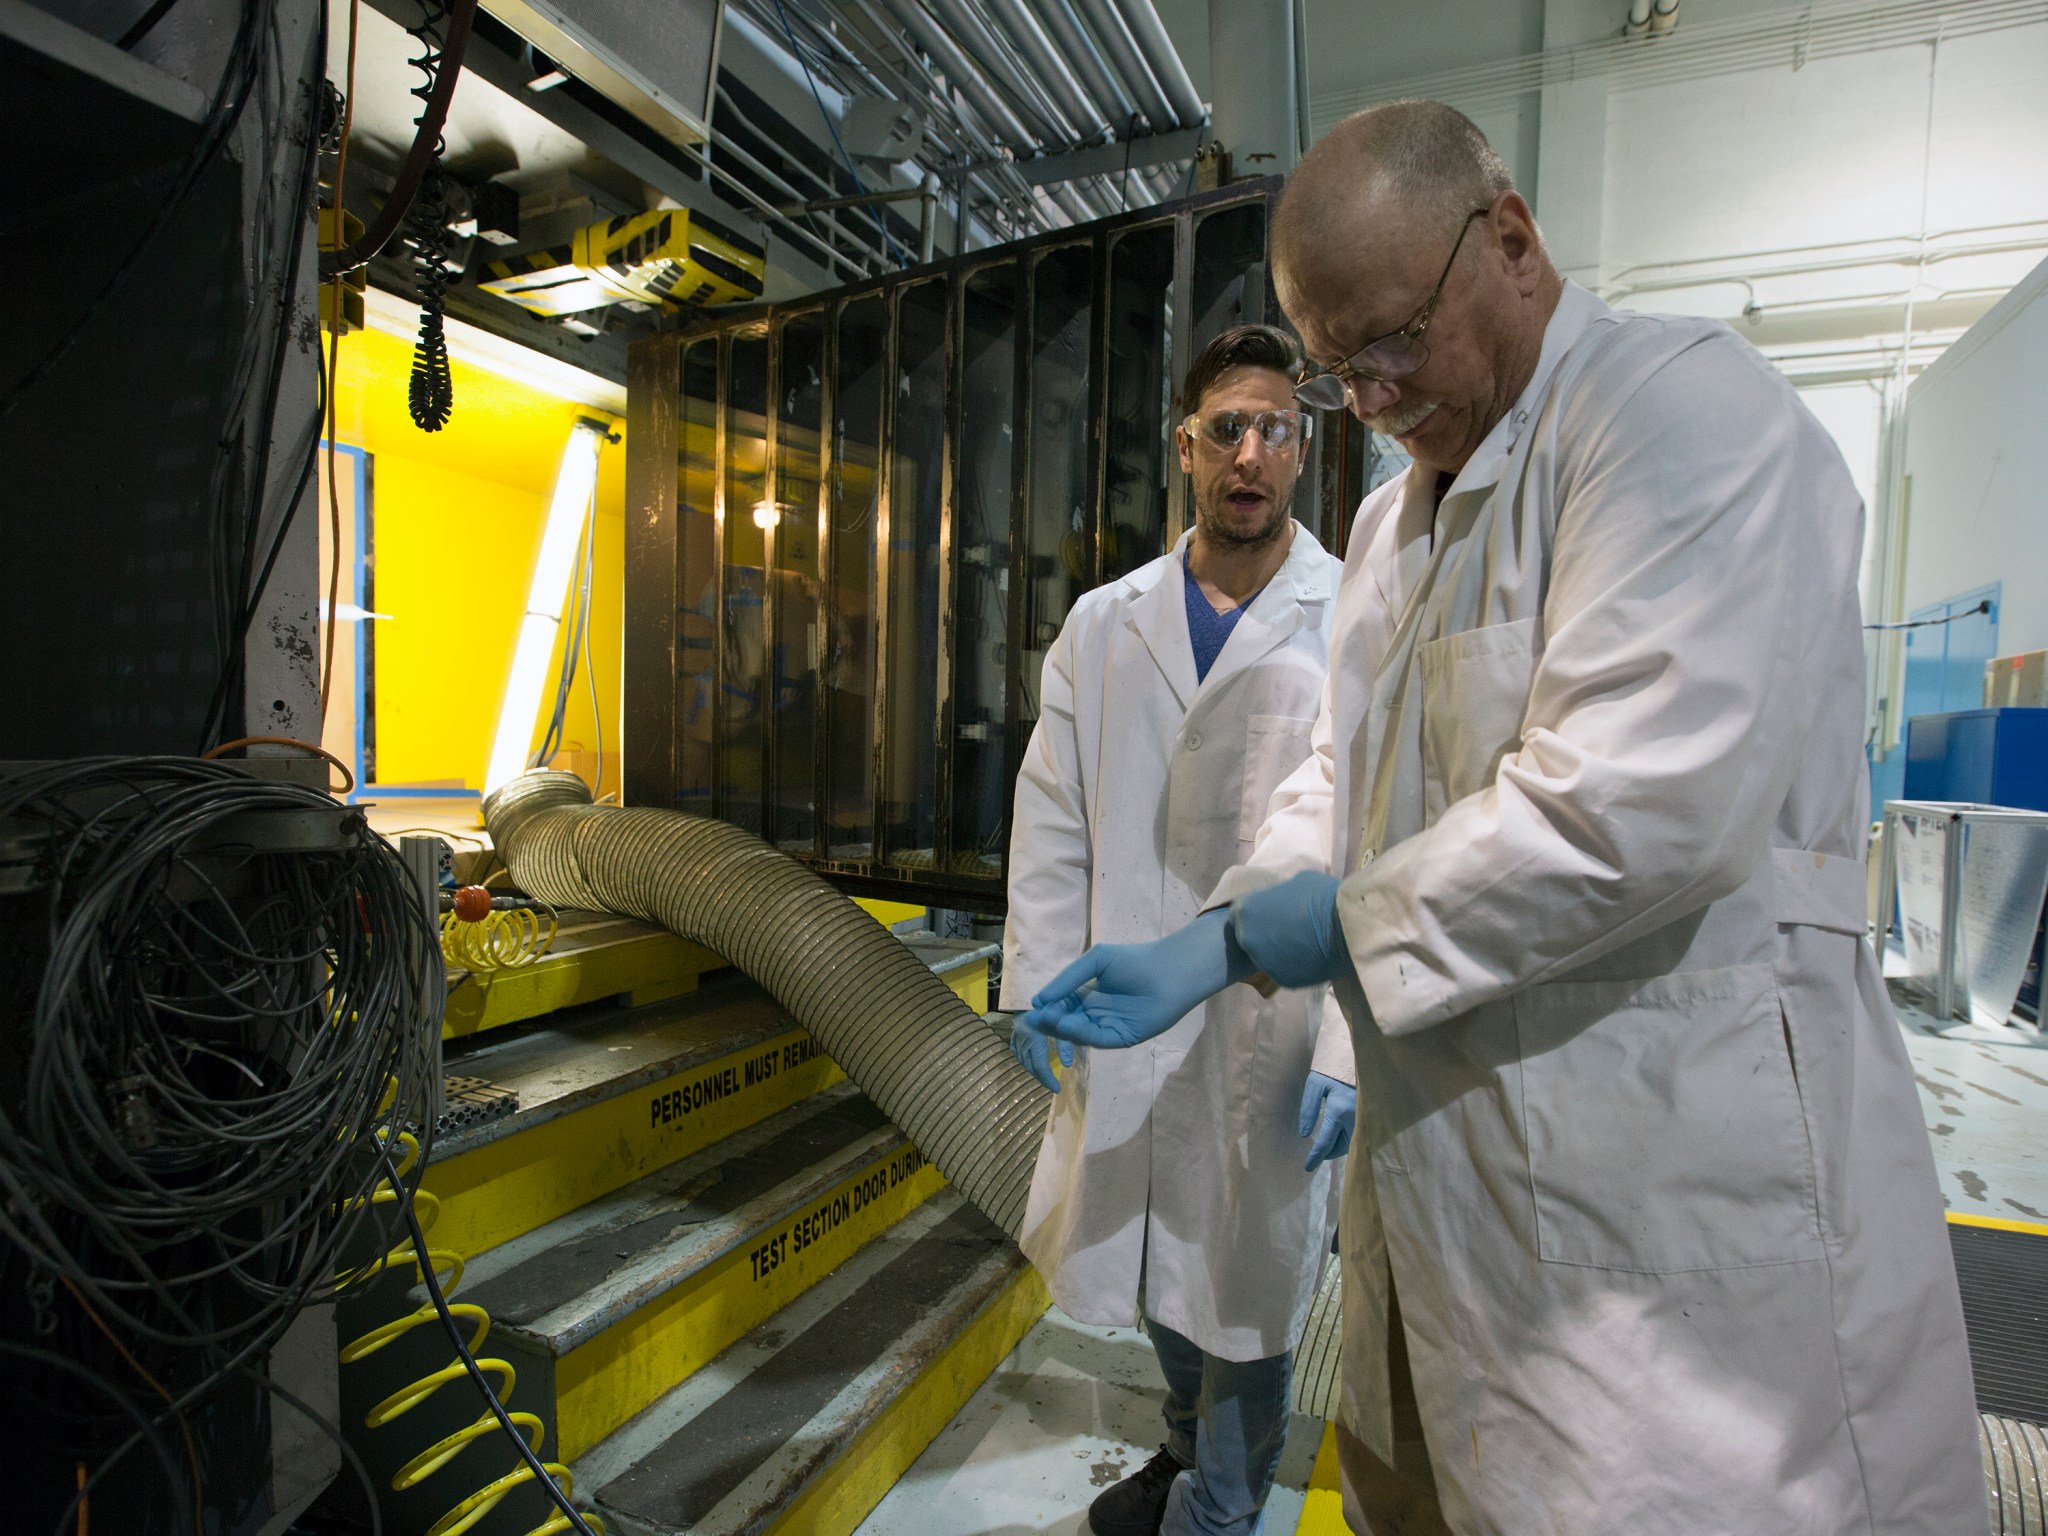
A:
<point x="1175" y="1165"/>
<point x="1637" y="1133"/>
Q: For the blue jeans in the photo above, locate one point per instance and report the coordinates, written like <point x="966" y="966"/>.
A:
<point x="1226" y="1421"/>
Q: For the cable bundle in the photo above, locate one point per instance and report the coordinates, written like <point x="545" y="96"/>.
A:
<point x="205" y="1047"/>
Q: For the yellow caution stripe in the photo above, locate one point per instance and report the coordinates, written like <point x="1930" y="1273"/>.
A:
<point x="511" y="1186"/>
<point x="604" y="1382"/>
<point x="844" y="1496"/>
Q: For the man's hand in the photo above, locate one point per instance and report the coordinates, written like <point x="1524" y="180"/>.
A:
<point x="1329" y="1109"/>
<point x="1034" y="1053"/>
<point x="1290" y="930"/>
<point x="1119" y="994"/>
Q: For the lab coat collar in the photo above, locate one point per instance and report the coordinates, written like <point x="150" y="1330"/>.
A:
<point x="1159" y="614"/>
<point x="1576" y="313"/>
<point x="1396" y="564"/>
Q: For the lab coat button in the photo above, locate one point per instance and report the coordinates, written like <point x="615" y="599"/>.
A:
<point x="1194" y="741"/>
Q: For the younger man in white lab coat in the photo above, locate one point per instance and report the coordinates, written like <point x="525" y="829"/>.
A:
<point x="1171" y="1185"/>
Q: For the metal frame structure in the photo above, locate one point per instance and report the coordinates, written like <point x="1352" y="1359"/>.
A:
<point x="663" y="566"/>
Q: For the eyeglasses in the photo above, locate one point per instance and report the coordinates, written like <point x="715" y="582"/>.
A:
<point x="1385" y="359"/>
<point x="1280" y="431"/>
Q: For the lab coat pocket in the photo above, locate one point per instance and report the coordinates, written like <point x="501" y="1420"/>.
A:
<point x="1663" y="1124"/>
<point x="1275" y="745"/>
<point x="1475" y="690"/>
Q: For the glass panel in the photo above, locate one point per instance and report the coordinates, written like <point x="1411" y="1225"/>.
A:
<point x="1055" y="564"/>
<point x="981" y="538"/>
<point x="696" y="575"/>
<point x="1139" y="400"/>
<point x="916" y="496"/>
<point x="849" y="659"/>
<point x="743" y="730"/>
<point x="1229" y="272"/>
<point x="800" y="389"/>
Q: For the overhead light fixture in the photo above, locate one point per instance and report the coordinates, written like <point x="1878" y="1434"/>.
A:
<point x="575" y="480"/>
<point x="764" y="514"/>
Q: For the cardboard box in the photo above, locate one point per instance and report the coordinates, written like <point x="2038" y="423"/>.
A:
<point x="2017" y="681"/>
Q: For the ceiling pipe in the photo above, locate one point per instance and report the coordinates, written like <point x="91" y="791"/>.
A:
<point x="935" y="40"/>
<point x="1149" y="32"/>
<point x="1090" y="122"/>
<point x="1096" y="76"/>
<point x="988" y="55"/>
<point x="1121" y="50"/>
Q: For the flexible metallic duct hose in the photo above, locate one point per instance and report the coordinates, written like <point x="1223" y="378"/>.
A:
<point x="2015" y="1475"/>
<point x="895" y="1028"/>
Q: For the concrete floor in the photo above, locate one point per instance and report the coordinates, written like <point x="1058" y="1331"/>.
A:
<point x="1985" y="1100"/>
<point x="1072" y="1410"/>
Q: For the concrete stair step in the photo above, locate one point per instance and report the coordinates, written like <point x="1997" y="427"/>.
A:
<point x="606" y="1308"/>
<point x="804" y="1423"/>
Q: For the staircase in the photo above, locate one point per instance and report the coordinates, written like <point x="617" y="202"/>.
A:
<point x="733" y="1294"/>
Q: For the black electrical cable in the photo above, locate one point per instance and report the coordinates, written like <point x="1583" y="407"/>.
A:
<point x="1968" y="613"/>
<point x="225" y="110"/>
<point x="431" y="392"/>
<point x="145" y="24"/>
<point x="432" y="1281"/>
<point x="219" y="1041"/>
<point x="881" y="219"/>
<point x="146" y="1429"/>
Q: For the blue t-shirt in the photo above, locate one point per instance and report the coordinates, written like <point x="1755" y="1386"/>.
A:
<point x="1207" y="628"/>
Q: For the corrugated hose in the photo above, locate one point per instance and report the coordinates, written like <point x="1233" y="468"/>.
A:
<point x="928" y="1060"/>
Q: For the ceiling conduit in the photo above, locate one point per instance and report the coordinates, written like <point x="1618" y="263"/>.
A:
<point x="1118" y="46"/>
<point x="1091" y="122"/>
<point x="1097" y="79"/>
<point x="1163" y="59"/>
<point x="991" y="59"/>
<point x="935" y="40"/>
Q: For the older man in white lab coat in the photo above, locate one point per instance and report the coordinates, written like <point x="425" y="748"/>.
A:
<point x="1641" y="1170"/>
<point x="1171" y="1186"/>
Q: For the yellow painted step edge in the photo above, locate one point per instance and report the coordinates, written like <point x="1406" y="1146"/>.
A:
<point x="1997" y="1223"/>
<point x="601" y="1384"/>
<point x="518" y="1183"/>
<point x="880" y="1454"/>
<point x="1322" y="1508"/>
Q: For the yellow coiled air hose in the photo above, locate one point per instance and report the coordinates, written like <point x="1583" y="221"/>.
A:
<point x="482" y="936"/>
<point x="471" y="1509"/>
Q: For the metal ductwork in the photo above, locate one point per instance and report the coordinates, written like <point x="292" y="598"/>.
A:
<point x="931" y="1063"/>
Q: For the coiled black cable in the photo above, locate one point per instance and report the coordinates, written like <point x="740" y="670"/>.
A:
<point x="431" y="394"/>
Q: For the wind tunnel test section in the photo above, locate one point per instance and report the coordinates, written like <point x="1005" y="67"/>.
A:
<point x="857" y="521"/>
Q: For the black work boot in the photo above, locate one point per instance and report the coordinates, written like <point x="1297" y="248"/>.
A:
<point x="1136" y="1506"/>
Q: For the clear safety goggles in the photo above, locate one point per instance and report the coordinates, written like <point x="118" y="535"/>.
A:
<point x="1280" y="431"/>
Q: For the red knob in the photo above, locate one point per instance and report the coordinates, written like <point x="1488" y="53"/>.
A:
<point x="472" y="904"/>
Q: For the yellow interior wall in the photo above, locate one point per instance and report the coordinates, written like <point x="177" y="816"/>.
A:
<point x="457" y="517"/>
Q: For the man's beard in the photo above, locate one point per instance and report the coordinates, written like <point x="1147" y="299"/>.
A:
<point x="1402" y="418"/>
<point x="1215" y="525"/>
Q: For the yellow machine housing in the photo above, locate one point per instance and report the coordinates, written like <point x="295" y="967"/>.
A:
<point x="666" y="258"/>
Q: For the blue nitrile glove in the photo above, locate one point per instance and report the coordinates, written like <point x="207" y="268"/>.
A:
<point x="1290" y="930"/>
<point x="1119" y="994"/>
<point x="1330" y="1109"/>
<point x="1034" y="1053"/>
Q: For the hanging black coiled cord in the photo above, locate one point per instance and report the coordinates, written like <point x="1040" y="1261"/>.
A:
<point x="212" y="1043"/>
<point x="431" y="395"/>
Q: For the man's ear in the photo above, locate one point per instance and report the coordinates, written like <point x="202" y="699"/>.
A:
<point x="1180" y="443"/>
